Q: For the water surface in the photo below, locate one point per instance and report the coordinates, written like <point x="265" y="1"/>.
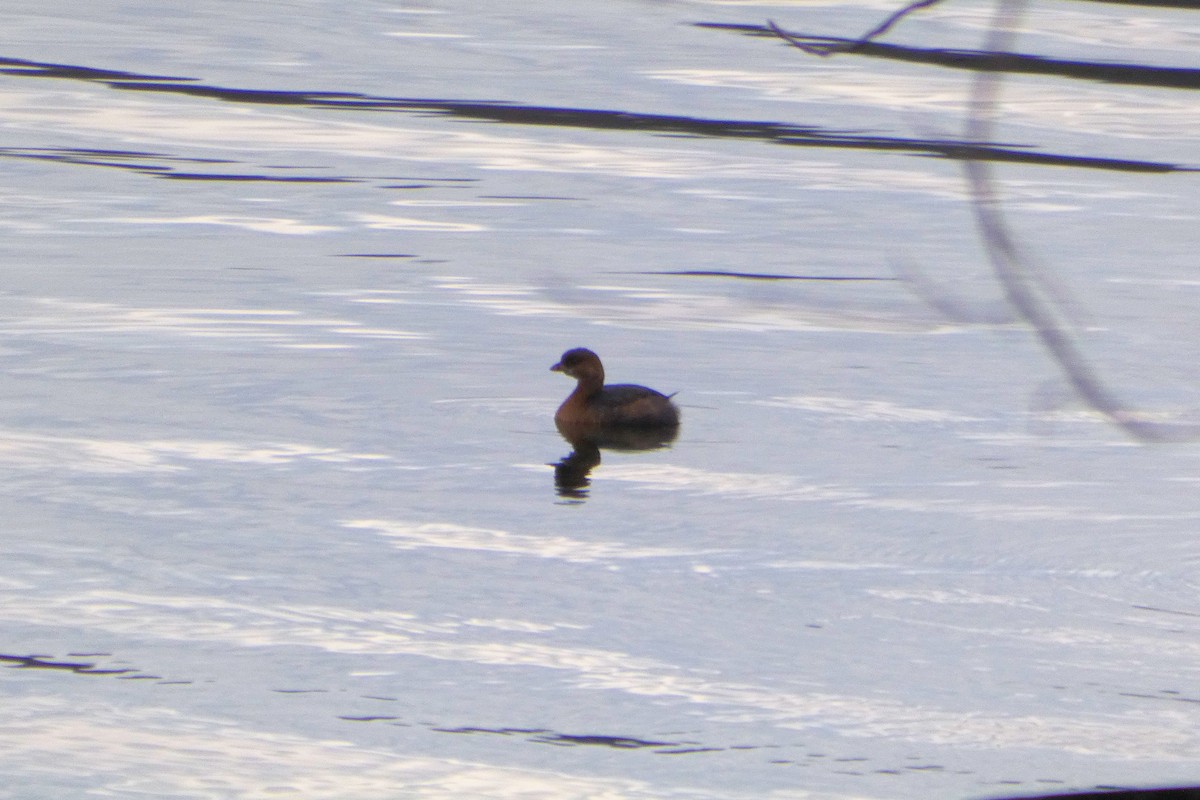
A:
<point x="283" y="285"/>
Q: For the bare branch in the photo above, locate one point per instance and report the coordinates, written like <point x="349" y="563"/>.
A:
<point x="1030" y="293"/>
<point x="888" y="23"/>
<point x="1019" y="282"/>
<point x="952" y="308"/>
<point x="824" y="50"/>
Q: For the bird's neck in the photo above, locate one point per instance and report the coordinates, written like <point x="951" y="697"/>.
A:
<point x="588" y="384"/>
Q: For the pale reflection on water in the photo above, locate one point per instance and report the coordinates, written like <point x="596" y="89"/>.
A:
<point x="285" y="505"/>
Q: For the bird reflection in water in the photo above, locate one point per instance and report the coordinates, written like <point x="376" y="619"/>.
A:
<point x="571" y="473"/>
<point x="596" y="416"/>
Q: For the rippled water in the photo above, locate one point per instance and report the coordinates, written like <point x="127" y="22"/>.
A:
<point x="282" y="286"/>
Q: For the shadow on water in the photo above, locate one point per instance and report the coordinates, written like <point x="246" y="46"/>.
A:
<point x="759" y="276"/>
<point x="572" y="473"/>
<point x="45" y="662"/>
<point x="668" y="744"/>
<point x="533" y="735"/>
<point x="546" y="736"/>
<point x="654" y="124"/>
<point x="988" y="61"/>
<point x="165" y="166"/>
<point x="1120" y="793"/>
<point x="90" y="667"/>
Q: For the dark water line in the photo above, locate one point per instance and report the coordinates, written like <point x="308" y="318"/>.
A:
<point x="45" y="662"/>
<point x="991" y="61"/>
<point x="1187" y="5"/>
<point x="594" y="119"/>
<point x="136" y="162"/>
<point x="755" y="276"/>
<point x="42" y="69"/>
<point x="204" y="176"/>
<point x="663" y="124"/>
<point x="1120" y="793"/>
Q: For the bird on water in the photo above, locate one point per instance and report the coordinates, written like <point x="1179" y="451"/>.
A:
<point x="621" y="405"/>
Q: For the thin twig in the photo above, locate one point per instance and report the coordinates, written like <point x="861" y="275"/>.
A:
<point x="824" y="50"/>
<point x="887" y="24"/>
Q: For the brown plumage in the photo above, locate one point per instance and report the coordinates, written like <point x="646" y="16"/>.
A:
<point x="621" y="405"/>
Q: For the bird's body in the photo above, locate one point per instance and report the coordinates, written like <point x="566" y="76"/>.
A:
<point x="622" y="405"/>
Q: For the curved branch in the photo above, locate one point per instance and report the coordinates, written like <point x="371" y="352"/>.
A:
<point x="1018" y="281"/>
<point x="843" y="47"/>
